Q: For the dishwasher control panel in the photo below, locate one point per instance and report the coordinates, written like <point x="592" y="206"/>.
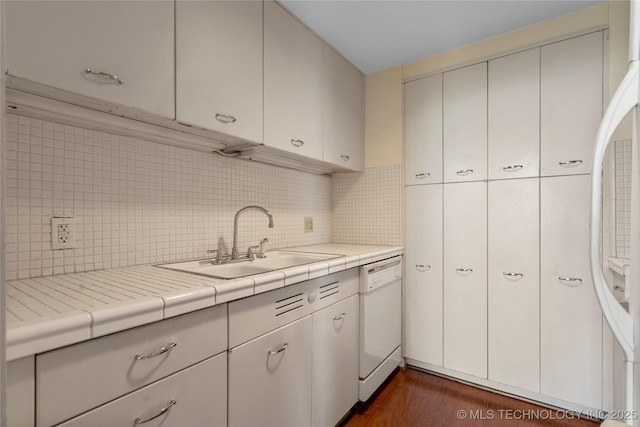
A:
<point x="380" y="273"/>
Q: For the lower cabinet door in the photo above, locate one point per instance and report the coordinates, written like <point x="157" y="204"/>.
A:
<point x="270" y="378"/>
<point x="196" y="396"/>
<point x="335" y="362"/>
<point x="571" y="319"/>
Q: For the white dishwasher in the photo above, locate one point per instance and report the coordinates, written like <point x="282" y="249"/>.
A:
<point x="380" y="323"/>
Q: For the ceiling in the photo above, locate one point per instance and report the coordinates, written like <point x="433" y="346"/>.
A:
<point x="379" y="34"/>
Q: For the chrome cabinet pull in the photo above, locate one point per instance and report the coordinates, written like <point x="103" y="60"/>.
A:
<point x="422" y="267"/>
<point x="157" y="352"/>
<point x="570" y="163"/>
<point x="297" y="142"/>
<point x="575" y="280"/>
<point x="464" y="270"/>
<point x="422" y="175"/>
<point x="513" y="274"/>
<point x="464" y="172"/>
<point x="162" y="412"/>
<point x="512" y="168"/>
<point x="339" y="317"/>
<point x="225" y="118"/>
<point x="280" y="350"/>
<point x="107" y="76"/>
<point x="345" y="157"/>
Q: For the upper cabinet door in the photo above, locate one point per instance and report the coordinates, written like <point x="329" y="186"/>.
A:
<point x="292" y="84"/>
<point x="465" y="123"/>
<point x="571" y="104"/>
<point x="343" y="112"/>
<point x="423" y="130"/>
<point x="117" y="51"/>
<point x="514" y="115"/>
<point x="219" y="66"/>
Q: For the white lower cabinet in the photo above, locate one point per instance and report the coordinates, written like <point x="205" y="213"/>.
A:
<point x="514" y="283"/>
<point x="335" y="362"/>
<point x="195" y="396"/>
<point x="465" y="278"/>
<point x="423" y="276"/>
<point x="571" y="319"/>
<point x="20" y="392"/>
<point x="270" y="378"/>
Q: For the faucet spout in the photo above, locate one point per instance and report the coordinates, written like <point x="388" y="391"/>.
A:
<point x="234" y="250"/>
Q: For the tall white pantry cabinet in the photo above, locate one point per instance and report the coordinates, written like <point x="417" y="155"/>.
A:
<point x="498" y="289"/>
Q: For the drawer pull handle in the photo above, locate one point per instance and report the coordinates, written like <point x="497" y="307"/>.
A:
<point x="513" y="274"/>
<point x="157" y="352"/>
<point x="162" y="412"/>
<point x="464" y="270"/>
<point x="464" y="172"/>
<point x="339" y="317"/>
<point x="570" y="163"/>
<point x="225" y="118"/>
<point x="345" y="157"/>
<point x="297" y="142"/>
<point x="280" y="350"/>
<point x="112" y="77"/>
<point x="573" y="280"/>
<point x="422" y="267"/>
<point x="422" y="175"/>
<point x="512" y="168"/>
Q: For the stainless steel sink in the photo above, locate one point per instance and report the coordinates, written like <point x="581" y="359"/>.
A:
<point x="274" y="260"/>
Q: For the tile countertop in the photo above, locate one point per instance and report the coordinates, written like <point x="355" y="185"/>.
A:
<point x="46" y="313"/>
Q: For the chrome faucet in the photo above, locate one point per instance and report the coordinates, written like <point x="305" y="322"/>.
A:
<point x="234" y="250"/>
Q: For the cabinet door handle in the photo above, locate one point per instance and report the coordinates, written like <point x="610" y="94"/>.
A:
<point x="157" y="352"/>
<point x="422" y="267"/>
<point x="513" y="274"/>
<point x="464" y="270"/>
<point x="345" y="157"/>
<point x="512" y="168"/>
<point x="225" y="118"/>
<point x="297" y="142"/>
<point x="570" y="163"/>
<point x="162" y="412"/>
<point x="339" y="317"/>
<point x="422" y="175"/>
<point x="464" y="172"/>
<point x="112" y="77"/>
<point x="280" y="350"/>
<point x="573" y="280"/>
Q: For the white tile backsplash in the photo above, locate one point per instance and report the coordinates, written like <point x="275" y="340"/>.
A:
<point x="367" y="207"/>
<point x="623" y="197"/>
<point x="138" y="202"/>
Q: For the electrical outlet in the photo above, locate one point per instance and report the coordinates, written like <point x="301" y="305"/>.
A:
<point x="63" y="233"/>
<point x="308" y="224"/>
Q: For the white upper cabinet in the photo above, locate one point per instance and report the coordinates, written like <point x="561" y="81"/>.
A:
<point x="514" y="115"/>
<point x="571" y="104"/>
<point x="465" y="123"/>
<point x="514" y="283"/>
<point x="423" y="130"/>
<point x="121" y="52"/>
<point x="343" y="112"/>
<point x="219" y="66"/>
<point x="571" y="319"/>
<point x="292" y="84"/>
<point x="465" y="278"/>
<point x="423" y="277"/>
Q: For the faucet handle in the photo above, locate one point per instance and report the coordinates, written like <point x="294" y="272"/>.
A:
<point x="250" y="250"/>
<point x="261" y="248"/>
<point x="218" y="259"/>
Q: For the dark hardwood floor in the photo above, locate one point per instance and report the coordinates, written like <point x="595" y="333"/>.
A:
<point x="416" y="399"/>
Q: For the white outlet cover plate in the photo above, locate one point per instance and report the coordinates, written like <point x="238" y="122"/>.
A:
<point x="61" y="239"/>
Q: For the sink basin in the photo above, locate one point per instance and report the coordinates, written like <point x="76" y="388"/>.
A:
<point x="275" y="260"/>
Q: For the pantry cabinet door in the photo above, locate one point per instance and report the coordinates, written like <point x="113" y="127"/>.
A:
<point x="292" y="84"/>
<point x="465" y="278"/>
<point x="219" y="66"/>
<point x="571" y="104"/>
<point x="514" y="283"/>
<point x="55" y="42"/>
<point x="571" y="319"/>
<point x="465" y="123"/>
<point x="514" y="115"/>
<point x="423" y="278"/>
<point x="423" y="130"/>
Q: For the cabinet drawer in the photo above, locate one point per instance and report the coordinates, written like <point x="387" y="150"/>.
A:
<point x="105" y="368"/>
<point x="199" y="393"/>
